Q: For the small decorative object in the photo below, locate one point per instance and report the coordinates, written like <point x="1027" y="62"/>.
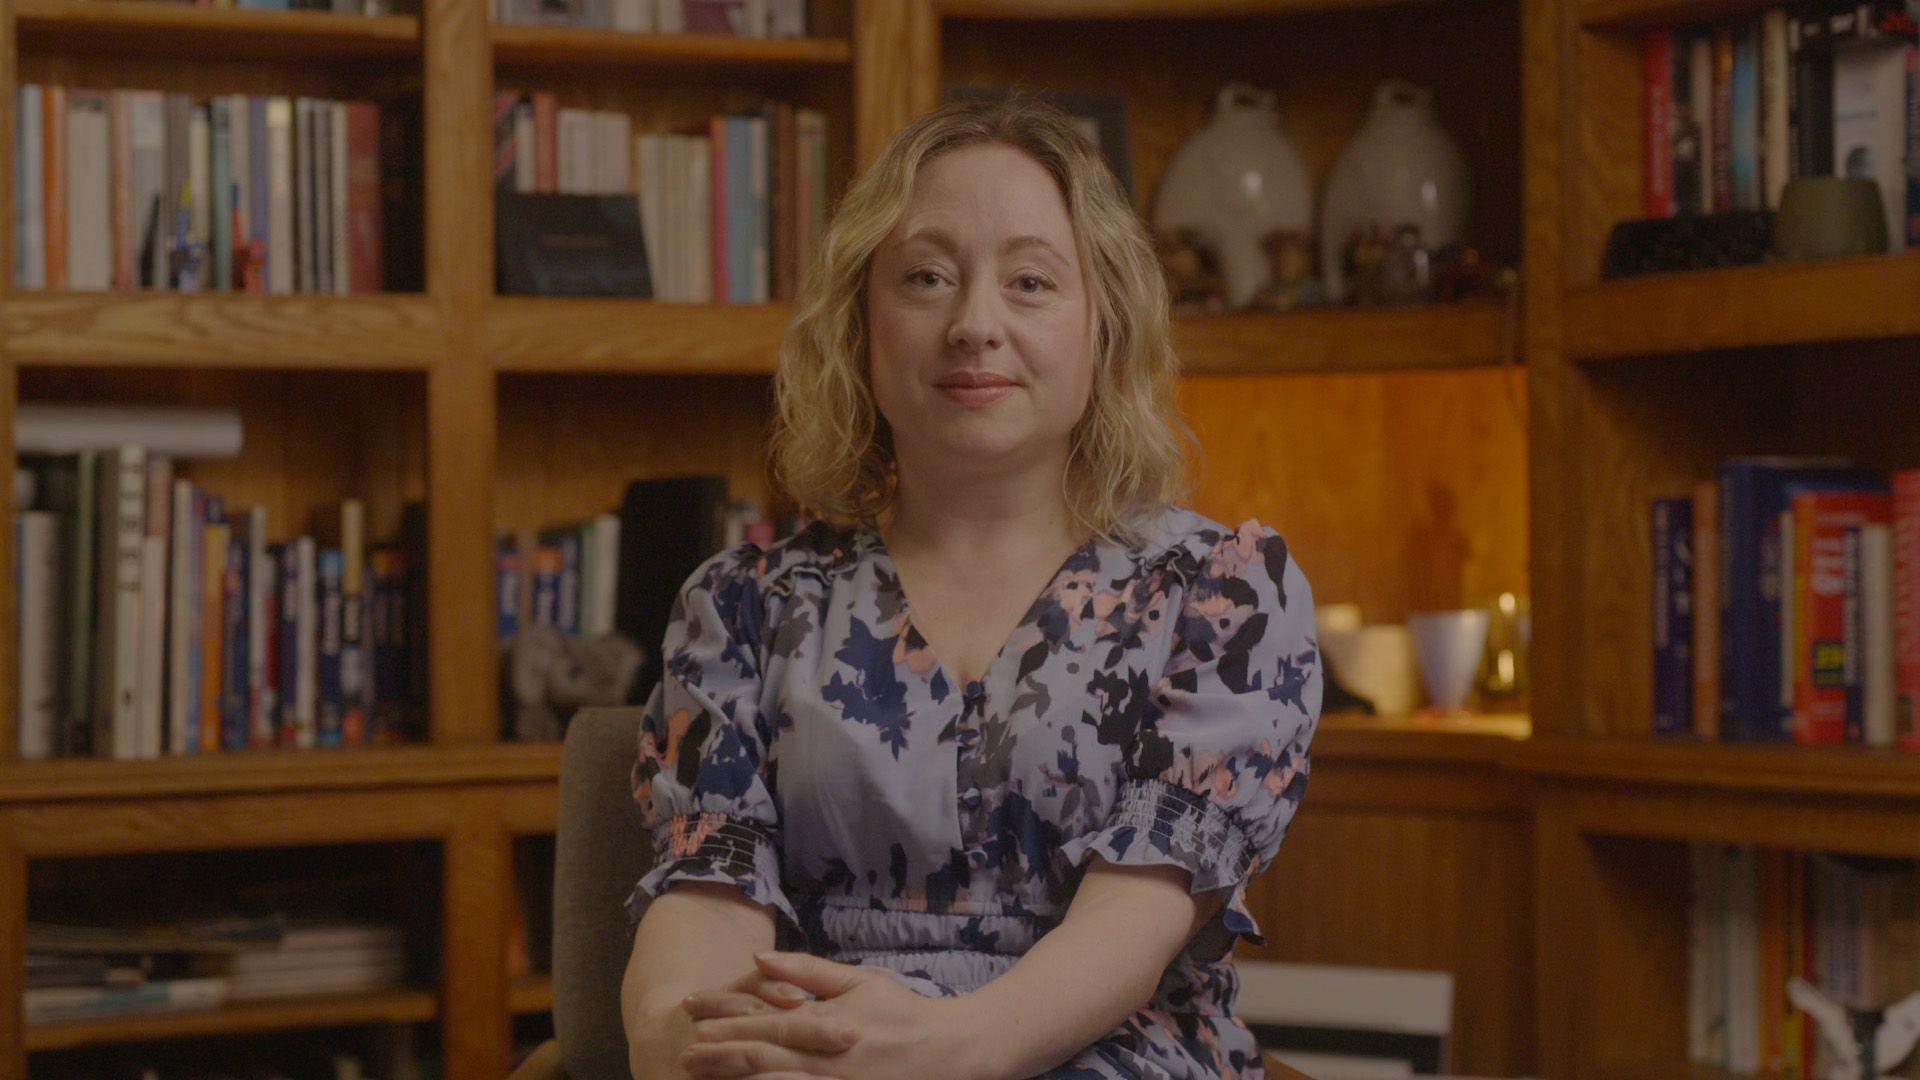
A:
<point x="1292" y="280"/>
<point x="1459" y="272"/>
<point x="1693" y="242"/>
<point x="1193" y="274"/>
<point x="550" y="675"/>
<point x="1400" y="169"/>
<point x="1864" y="1044"/>
<point x="1377" y="663"/>
<point x="1403" y="273"/>
<point x="1234" y="182"/>
<point x="1449" y="644"/>
<point x="1829" y="217"/>
<point x="1503" y="672"/>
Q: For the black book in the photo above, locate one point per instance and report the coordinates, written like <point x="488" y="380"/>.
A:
<point x="668" y="527"/>
<point x="569" y="245"/>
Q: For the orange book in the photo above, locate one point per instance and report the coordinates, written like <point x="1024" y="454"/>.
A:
<point x="1706" y="610"/>
<point x="53" y="185"/>
<point x="213" y="608"/>
<point x="1827" y="660"/>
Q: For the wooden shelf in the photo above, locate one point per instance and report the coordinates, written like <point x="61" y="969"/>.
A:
<point x="1342" y="339"/>
<point x="1725" y="768"/>
<point x="1154" y="9"/>
<point x="254" y="772"/>
<point x="560" y="334"/>
<point x="1750" y="306"/>
<point x="531" y="994"/>
<point x="228" y="330"/>
<point x="148" y="28"/>
<point x="1482" y="738"/>
<point x="571" y="45"/>
<point x="406" y="1006"/>
<point x="1643" y="14"/>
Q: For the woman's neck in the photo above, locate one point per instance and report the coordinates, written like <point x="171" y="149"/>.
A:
<point x="981" y="519"/>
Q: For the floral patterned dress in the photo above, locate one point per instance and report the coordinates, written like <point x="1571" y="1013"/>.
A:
<point x="1155" y="705"/>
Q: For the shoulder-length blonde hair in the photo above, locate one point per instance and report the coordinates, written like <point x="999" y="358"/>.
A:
<point x="832" y="450"/>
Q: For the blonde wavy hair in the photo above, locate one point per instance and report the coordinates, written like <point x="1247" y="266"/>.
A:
<point x="831" y="449"/>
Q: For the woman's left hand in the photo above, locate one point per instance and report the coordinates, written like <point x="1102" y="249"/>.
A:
<point x="898" y="1032"/>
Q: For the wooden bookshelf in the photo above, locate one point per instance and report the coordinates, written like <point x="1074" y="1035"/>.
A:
<point x="531" y="994"/>
<point x="143" y="28"/>
<point x="706" y="53"/>
<point x="404" y="1006"/>
<point x="643" y="336"/>
<point x="1354" y="340"/>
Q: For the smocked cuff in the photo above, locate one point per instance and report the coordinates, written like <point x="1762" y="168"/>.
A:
<point x="1155" y="823"/>
<point x="713" y="847"/>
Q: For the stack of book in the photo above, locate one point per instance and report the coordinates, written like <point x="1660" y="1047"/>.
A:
<point x="741" y="18"/>
<point x="1759" y="917"/>
<point x="154" y="620"/>
<point x="92" y="972"/>
<point x="730" y="211"/>
<point x="1786" y="605"/>
<point x="136" y="189"/>
<point x="1735" y="109"/>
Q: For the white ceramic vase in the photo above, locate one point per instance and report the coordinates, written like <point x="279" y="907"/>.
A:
<point x="1233" y="182"/>
<point x="1400" y="169"/>
<point x="1377" y="663"/>
<point x="1449" y="644"/>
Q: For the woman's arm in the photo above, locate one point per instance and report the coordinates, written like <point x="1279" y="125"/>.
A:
<point x="1082" y="979"/>
<point x="695" y="936"/>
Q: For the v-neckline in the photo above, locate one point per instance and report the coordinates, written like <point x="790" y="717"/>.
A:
<point x="974" y="687"/>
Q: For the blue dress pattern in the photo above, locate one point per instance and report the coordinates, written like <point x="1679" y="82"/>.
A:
<point x="1155" y="705"/>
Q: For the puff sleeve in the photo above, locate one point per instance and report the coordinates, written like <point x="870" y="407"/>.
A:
<point x="1218" y="763"/>
<point x="703" y="778"/>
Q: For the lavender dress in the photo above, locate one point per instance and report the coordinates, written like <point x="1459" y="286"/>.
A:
<point x="1154" y="705"/>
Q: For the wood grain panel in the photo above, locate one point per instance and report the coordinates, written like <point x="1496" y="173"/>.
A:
<point x="704" y="55"/>
<point x="1153" y="9"/>
<point x="1401" y="493"/>
<point x="897" y="69"/>
<point x="1345" y="339"/>
<point x="13" y="960"/>
<point x="222" y="330"/>
<point x="476" y="1026"/>
<point x="351" y="78"/>
<point x="551" y="333"/>
<point x="230" y="821"/>
<point x="320" y="1011"/>
<point x="137" y="28"/>
<point x="1605" y="179"/>
<point x="1414" y="890"/>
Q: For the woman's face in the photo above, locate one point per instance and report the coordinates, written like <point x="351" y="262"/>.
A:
<point x="981" y="351"/>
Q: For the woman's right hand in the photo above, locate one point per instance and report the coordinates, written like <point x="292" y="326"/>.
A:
<point x="657" y="1056"/>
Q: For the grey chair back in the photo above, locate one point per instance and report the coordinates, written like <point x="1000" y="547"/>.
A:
<point x="600" y="851"/>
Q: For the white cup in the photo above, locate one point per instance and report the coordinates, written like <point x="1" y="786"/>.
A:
<point x="1449" y="644"/>
<point x="1377" y="663"/>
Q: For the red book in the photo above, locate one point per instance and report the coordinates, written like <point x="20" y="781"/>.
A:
<point x="717" y="139"/>
<point x="546" y="142"/>
<point x="53" y="181"/>
<point x="1906" y="608"/>
<point x="1828" y="675"/>
<point x="364" y="270"/>
<point x="120" y="132"/>
<point x="1656" y="174"/>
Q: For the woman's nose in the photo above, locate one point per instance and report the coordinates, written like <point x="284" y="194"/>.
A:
<point x="977" y="322"/>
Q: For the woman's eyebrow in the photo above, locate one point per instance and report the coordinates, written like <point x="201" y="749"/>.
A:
<point x="944" y="240"/>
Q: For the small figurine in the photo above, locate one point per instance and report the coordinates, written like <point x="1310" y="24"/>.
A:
<point x="1865" y="1044"/>
<point x="550" y="675"/>
<point x="1193" y="272"/>
<point x="1459" y="272"/>
<point x="1365" y="254"/>
<point x="1293" y="281"/>
<point x="1405" y="272"/>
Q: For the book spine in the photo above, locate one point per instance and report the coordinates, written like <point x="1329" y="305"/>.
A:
<point x="53" y="182"/>
<point x="307" y="657"/>
<point x="234" y="731"/>
<point x="260" y="193"/>
<point x="1723" y="120"/>
<point x="720" y="244"/>
<point x="1876" y="635"/>
<point x="281" y="233"/>
<point x="37" y="578"/>
<point x="220" y="205"/>
<point x="1775" y="145"/>
<point x="1672" y="617"/>
<point x="507" y="590"/>
<point x="214" y="545"/>
<point x="546" y="125"/>
<point x="1744" y="100"/>
<point x="339" y="201"/>
<point x="1906" y="608"/>
<point x="353" y="702"/>
<point x="120" y="134"/>
<point x="328" y="670"/>
<point x="1706" y="611"/>
<point x="288" y="630"/>
<point x="32" y="231"/>
<point x="260" y="583"/>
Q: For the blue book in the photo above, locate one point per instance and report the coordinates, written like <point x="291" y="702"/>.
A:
<point x="329" y="567"/>
<point x="546" y="594"/>
<point x="233" y="649"/>
<point x="1754" y="493"/>
<point x="285" y="725"/>
<point x="740" y="211"/>
<point x="507" y="588"/>
<point x="1745" y="88"/>
<point x="1673" y="616"/>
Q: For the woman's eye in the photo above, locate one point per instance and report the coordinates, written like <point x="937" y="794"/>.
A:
<point x="1030" y="283"/>
<point x="929" y="278"/>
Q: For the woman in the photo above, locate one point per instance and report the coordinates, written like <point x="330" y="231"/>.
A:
<point x="1002" y="828"/>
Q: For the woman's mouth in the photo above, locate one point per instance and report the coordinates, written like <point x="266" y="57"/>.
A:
<point x="975" y="390"/>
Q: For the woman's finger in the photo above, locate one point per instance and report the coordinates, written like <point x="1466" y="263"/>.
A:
<point x="795" y="1031"/>
<point x="712" y="1004"/>
<point x="783" y="994"/>
<point x="742" y="1058"/>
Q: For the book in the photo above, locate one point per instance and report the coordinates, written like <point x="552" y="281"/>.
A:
<point x="668" y="527"/>
<point x="1657" y="198"/>
<point x="1706" y="611"/>
<point x="1906" y="608"/>
<point x="1672" y="616"/>
<point x="1827" y="648"/>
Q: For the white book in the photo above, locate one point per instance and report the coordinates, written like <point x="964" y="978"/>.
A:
<point x="122" y="484"/>
<point x="280" y="196"/>
<point x="634" y="16"/>
<point x="1869" y="127"/>
<point x="324" y="981"/>
<point x="239" y="151"/>
<point x="676" y="230"/>
<point x="700" y="216"/>
<point x="46" y="1004"/>
<point x="38" y="551"/>
<point x="669" y="17"/>
<point x="787" y="19"/>
<point x="147" y="117"/>
<point x="89" y="192"/>
<point x="258" y="580"/>
<point x="759" y="164"/>
<point x="33" y="205"/>
<point x="1775" y="151"/>
<point x="613" y="152"/>
<point x="199" y="185"/>
<point x="153" y="636"/>
<point x="337" y="245"/>
<point x="306" y="710"/>
<point x="322" y="135"/>
<point x="1876" y="619"/>
<point x="574" y="138"/>
<point x="525" y="152"/>
<point x="606" y="543"/>
<point x="646" y="180"/>
<point x="182" y="719"/>
<point x="1743" y="960"/>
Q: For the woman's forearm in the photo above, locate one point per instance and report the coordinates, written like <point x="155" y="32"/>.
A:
<point x="1081" y="980"/>
<point x="695" y="936"/>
